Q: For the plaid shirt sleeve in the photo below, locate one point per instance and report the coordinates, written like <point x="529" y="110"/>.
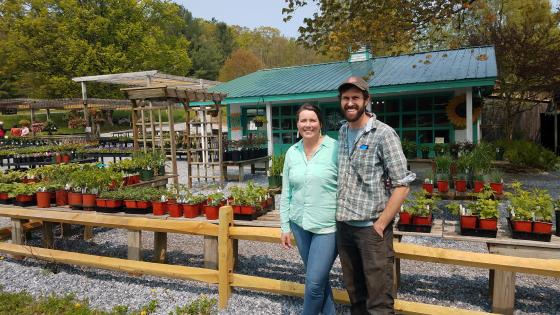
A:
<point x="395" y="161"/>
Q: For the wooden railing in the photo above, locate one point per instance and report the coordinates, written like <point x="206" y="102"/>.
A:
<point x="225" y="277"/>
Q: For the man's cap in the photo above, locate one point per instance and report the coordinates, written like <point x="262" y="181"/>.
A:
<point x="354" y="82"/>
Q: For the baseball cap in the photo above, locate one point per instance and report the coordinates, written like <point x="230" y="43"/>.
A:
<point x="354" y="82"/>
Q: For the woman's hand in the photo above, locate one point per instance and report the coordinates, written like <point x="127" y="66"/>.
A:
<point x="286" y="240"/>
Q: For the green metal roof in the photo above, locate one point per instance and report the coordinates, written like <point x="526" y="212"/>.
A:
<point x="474" y="66"/>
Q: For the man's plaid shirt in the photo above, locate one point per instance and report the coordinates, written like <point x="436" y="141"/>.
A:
<point x="377" y="156"/>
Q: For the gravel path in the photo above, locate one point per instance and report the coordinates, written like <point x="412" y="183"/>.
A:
<point x="424" y="282"/>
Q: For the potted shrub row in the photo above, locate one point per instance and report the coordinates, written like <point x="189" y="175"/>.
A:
<point x="417" y="213"/>
<point x="250" y="200"/>
<point x="530" y="213"/>
<point x="478" y="218"/>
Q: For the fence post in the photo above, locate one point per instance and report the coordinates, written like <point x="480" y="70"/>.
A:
<point x="225" y="256"/>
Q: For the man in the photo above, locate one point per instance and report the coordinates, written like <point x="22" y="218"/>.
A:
<point x="370" y="155"/>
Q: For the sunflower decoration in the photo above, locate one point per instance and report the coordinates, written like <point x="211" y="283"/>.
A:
<point x="457" y="110"/>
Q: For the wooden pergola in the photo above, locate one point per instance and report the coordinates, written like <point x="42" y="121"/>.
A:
<point x="143" y="97"/>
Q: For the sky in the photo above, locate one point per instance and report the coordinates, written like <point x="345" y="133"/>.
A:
<point x="249" y="13"/>
<point x="255" y="13"/>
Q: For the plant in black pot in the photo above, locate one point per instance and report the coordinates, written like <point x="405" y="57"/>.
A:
<point x="260" y="120"/>
<point x="425" y="149"/>
<point x="409" y="148"/>
<point x="276" y="170"/>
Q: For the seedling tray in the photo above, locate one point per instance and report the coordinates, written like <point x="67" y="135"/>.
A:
<point x="414" y="228"/>
<point x="479" y="232"/>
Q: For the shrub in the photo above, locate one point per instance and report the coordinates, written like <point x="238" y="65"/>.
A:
<point x="529" y="154"/>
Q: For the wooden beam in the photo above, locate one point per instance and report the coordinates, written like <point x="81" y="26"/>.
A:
<point x="48" y="236"/>
<point x="225" y="256"/>
<point x="210" y="252"/>
<point x="95" y="219"/>
<point x="6" y="233"/>
<point x="134" y="245"/>
<point x="503" y="292"/>
<point x="18" y="235"/>
<point x="160" y="247"/>
<point x="143" y="129"/>
<point x="110" y="263"/>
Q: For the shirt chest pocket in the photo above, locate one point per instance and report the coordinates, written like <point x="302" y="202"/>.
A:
<point x="365" y="162"/>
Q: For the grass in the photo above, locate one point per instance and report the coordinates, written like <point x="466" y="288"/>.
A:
<point x="24" y="304"/>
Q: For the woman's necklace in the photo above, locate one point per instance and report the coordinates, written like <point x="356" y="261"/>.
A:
<point x="309" y="152"/>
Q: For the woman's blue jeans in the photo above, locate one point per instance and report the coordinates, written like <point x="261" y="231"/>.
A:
<point x="318" y="252"/>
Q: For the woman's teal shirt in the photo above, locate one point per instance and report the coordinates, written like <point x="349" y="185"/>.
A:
<point x="309" y="188"/>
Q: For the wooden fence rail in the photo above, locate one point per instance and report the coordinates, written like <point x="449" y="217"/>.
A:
<point x="225" y="277"/>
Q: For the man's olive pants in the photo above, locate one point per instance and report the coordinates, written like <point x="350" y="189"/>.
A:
<point x="367" y="266"/>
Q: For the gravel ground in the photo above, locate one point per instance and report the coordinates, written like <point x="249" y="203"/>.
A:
<point x="423" y="282"/>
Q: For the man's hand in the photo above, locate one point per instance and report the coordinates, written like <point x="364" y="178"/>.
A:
<point x="379" y="227"/>
<point x="286" y="240"/>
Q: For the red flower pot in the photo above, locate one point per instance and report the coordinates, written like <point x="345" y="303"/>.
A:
<point x="159" y="208"/>
<point x="24" y="198"/>
<point x="130" y="204"/>
<point x="211" y="212"/>
<point x="4" y="196"/>
<point x="429" y="188"/>
<point x="542" y="227"/>
<point x="248" y="209"/>
<point x="141" y="204"/>
<point x="460" y="185"/>
<point x="498" y="188"/>
<point x="135" y="179"/>
<point x="174" y="210"/>
<point x="404" y="217"/>
<point x="75" y="199"/>
<point x="66" y="158"/>
<point x="43" y="199"/>
<point x="521" y="226"/>
<point x="236" y="209"/>
<point x="488" y="224"/>
<point x="61" y="197"/>
<point x="468" y="221"/>
<point x="101" y="203"/>
<point x="110" y="203"/>
<point x="88" y="200"/>
<point x="420" y="220"/>
<point x="478" y="185"/>
<point x="191" y="211"/>
<point x="58" y="158"/>
<point x="442" y="186"/>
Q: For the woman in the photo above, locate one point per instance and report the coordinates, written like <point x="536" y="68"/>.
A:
<point x="308" y="207"/>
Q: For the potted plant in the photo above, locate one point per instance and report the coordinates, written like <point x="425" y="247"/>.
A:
<point x="441" y="149"/>
<point x="520" y="208"/>
<point x="496" y="179"/>
<point x="425" y="150"/>
<point x="409" y="148"/>
<point x="443" y="163"/>
<point x="276" y="170"/>
<point x="24" y="194"/>
<point x="544" y="208"/>
<point x="428" y="185"/>
<point x="404" y="216"/>
<point x="4" y="190"/>
<point x="214" y="201"/>
<point x="109" y="201"/>
<point x="421" y="208"/>
<point x="488" y="214"/>
<point x="238" y="196"/>
<point x="43" y="195"/>
<point x="159" y="202"/>
<point x="193" y="206"/>
<point x="467" y="219"/>
<point x="260" y="120"/>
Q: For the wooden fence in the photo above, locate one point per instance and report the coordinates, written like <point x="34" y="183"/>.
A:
<point x="225" y="277"/>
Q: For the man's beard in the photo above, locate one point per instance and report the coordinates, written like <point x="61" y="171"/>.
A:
<point x="360" y="111"/>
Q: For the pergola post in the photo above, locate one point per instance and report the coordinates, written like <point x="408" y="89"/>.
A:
<point x="32" y="121"/>
<point x="172" y="136"/>
<point x="269" y="128"/>
<point x="134" y="125"/>
<point x="469" y="119"/>
<point x="152" y="126"/>
<point x="84" y="100"/>
<point x="143" y="128"/>
<point x="160" y="131"/>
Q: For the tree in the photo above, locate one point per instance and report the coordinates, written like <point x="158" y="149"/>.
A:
<point x="526" y="37"/>
<point x="46" y="43"/>
<point x="388" y="27"/>
<point x="240" y="63"/>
